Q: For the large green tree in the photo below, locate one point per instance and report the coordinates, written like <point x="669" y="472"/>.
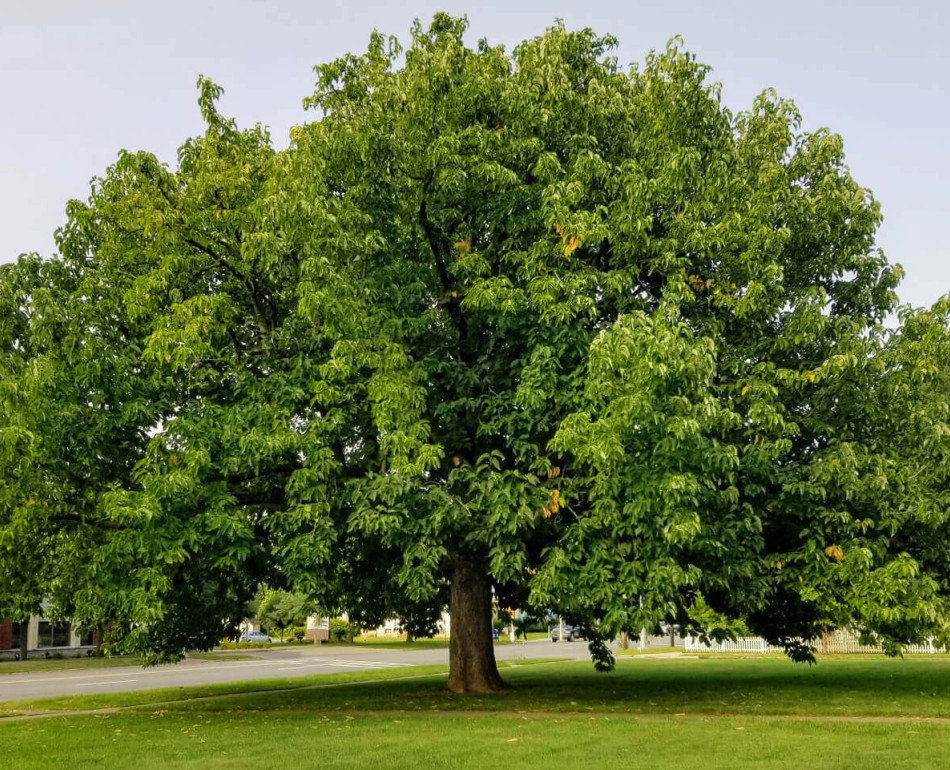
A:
<point x="279" y="610"/>
<point x="520" y="325"/>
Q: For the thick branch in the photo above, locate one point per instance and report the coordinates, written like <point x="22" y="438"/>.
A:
<point x="440" y="255"/>
<point x="243" y="279"/>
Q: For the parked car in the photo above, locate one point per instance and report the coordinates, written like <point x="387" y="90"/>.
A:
<point x="255" y="636"/>
<point x="561" y="633"/>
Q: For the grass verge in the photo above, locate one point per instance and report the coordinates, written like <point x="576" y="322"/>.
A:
<point x="73" y="664"/>
<point x="762" y="713"/>
<point x="375" y="643"/>
<point x="253" y="689"/>
<point x="635" y="651"/>
<point x="400" y="643"/>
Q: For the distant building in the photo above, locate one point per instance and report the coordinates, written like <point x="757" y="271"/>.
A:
<point x="318" y="629"/>
<point x="44" y="638"/>
<point x="393" y="627"/>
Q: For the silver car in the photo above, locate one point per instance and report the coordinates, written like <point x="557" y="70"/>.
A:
<point x="565" y="633"/>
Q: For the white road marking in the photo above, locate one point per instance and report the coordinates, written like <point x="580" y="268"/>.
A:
<point x="93" y="684"/>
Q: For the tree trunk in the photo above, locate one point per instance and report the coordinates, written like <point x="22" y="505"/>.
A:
<point x="472" y="665"/>
<point x="24" y="638"/>
<point x="409" y="637"/>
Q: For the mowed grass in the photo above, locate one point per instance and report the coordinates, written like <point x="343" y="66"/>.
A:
<point x="649" y="651"/>
<point x="70" y="664"/>
<point x="62" y="664"/>
<point x="400" y="643"/>
<point x="392" y="643"/>
<point x="174" y="740"/>
<point x="197" y="693"/>
<point x="713" y="712"/>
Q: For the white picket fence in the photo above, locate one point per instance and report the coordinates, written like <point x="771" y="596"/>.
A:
<point x="741" y="644"/>
<point x="836" y="643"/>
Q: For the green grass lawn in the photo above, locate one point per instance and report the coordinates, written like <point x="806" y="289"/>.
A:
<point x="63" y="664"/>
<point x="633" y="650"/>
<point x="713" y="712"/>
<point x="397" y="643"/>
<point x="59" y="664"/>
<point x="532" y="635"/>
<point x="400" y="643"/>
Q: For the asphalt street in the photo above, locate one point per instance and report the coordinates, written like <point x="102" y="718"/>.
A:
<point x="266" y="664"/>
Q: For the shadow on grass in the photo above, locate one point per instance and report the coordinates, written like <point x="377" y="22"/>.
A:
<point x="685" y="685"/>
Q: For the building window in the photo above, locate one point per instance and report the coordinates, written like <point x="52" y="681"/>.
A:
<point x="53" y="634"/>
<point x="87" y="639"/>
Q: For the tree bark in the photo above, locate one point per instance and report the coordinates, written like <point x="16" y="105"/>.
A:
<point x="24" y="640"/>
<point x="472" y="667"/>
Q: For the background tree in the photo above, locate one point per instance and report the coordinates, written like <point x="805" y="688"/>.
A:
<point x="279" y="610"/>
<point x="374" y="593"/>
<point x="48" y="430"/>
<point x="525" y="325"/>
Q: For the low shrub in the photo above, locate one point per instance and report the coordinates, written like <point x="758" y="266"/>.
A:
<point x="342" y="630"/>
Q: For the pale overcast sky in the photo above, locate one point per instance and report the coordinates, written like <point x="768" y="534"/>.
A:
<point x="81" y="79"/>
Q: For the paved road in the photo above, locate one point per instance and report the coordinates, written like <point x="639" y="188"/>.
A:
<point x="289" y="662"/>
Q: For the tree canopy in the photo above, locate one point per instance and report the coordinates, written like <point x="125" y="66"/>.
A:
<point x="525" y="325"/>
<point x="279" y="610"/>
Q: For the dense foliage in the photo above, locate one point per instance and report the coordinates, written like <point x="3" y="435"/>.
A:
<point x="279" y="610"/>
<point x="578" y="329"/>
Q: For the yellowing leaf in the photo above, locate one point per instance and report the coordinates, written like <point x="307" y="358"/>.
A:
<point x="745" y="389"/>
<point x="834" y="552"/>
